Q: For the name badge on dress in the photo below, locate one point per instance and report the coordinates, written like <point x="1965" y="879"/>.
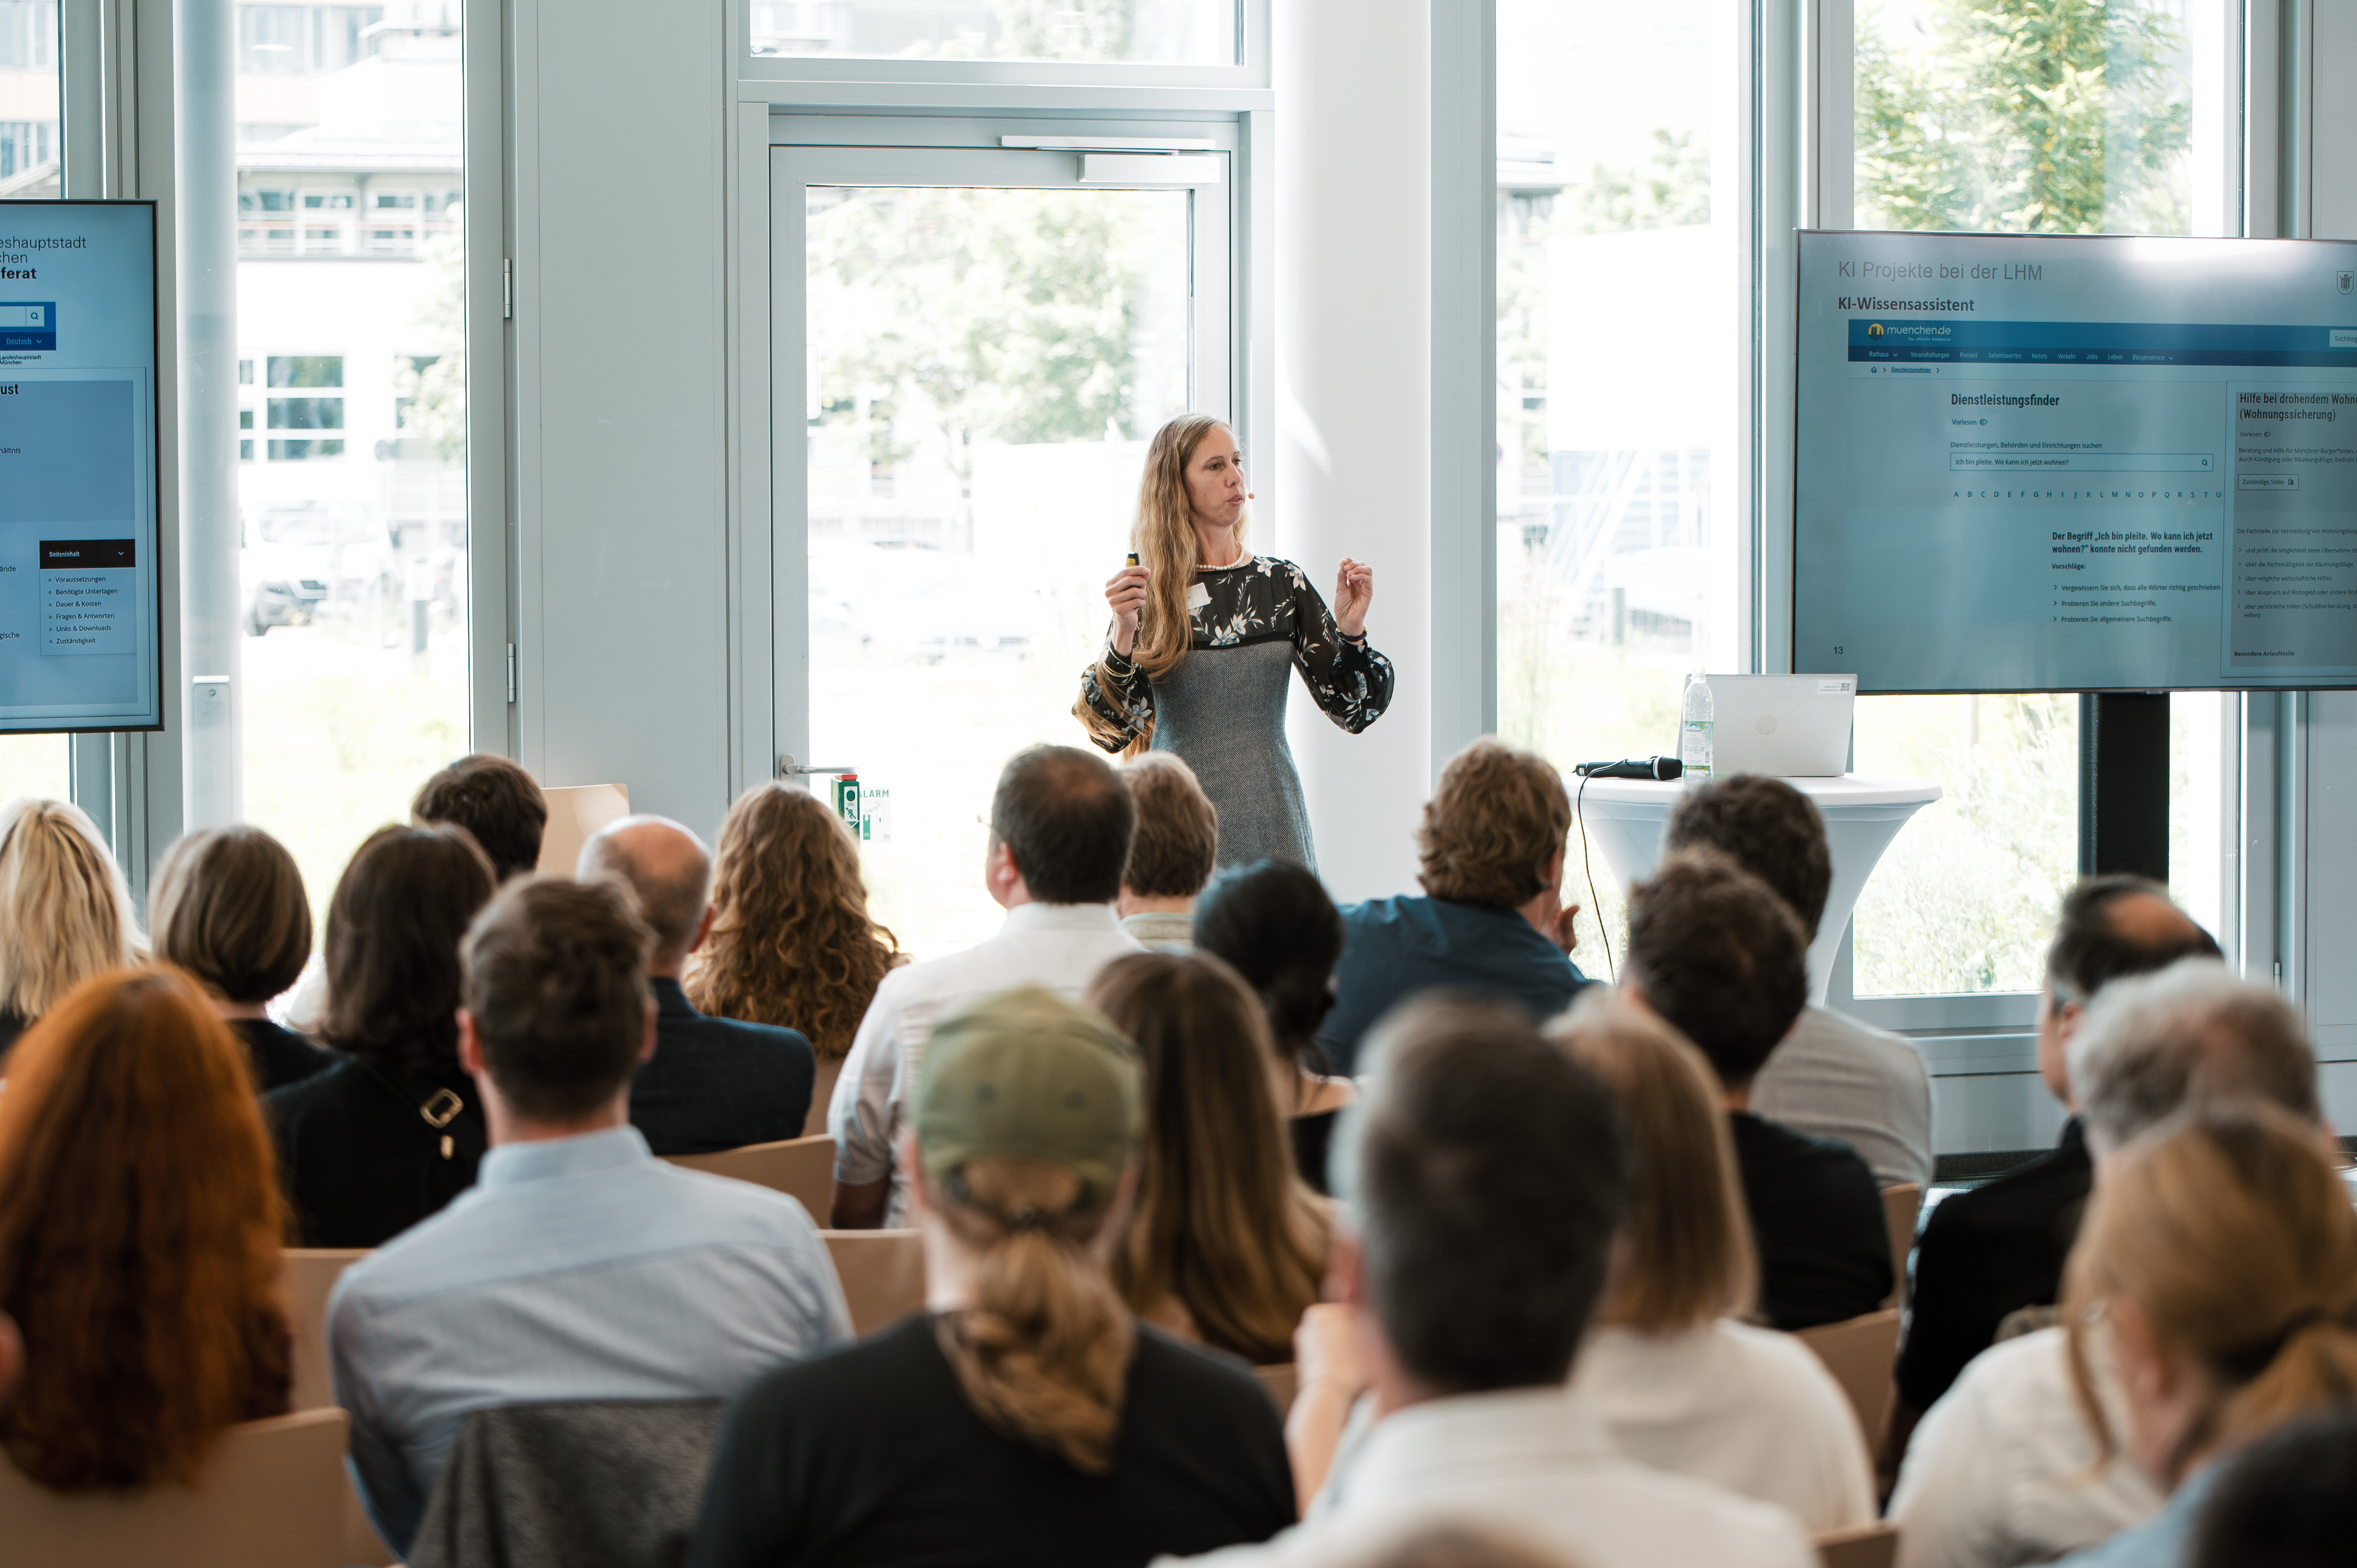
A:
<point x="1198" y="596"/>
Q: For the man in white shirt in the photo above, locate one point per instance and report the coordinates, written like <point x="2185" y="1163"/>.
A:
<point x="1060" y="823"/>
<point x="579" y="1267"/>
<point x="1482" y="1178"/>
<point x="1831" y="1076"/>
<point x="2003" y="1469"/>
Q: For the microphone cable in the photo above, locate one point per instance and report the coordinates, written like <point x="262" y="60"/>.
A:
<point x="1580" y="815"/>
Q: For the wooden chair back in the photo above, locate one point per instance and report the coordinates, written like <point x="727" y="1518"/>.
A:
<point x="271" y="1492"/>
<point x="883" y="1274"/>
<point x="801" y="1168"/>
<point x="1872" y="1545"/>
<point x="1900" y="1204"/>
<point x="1859" y="1354"/>
<point x="307" y="1278"/>
<point x="1282" y="1383"/>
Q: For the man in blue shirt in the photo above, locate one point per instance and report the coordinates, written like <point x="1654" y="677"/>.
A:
<point x="1492" y="923"/>
<point x="578" y="1267"/>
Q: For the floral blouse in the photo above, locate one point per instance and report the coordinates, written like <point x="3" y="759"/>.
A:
<point x="1260" y="600"/>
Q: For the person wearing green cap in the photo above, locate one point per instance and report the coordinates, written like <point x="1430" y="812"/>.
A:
<point x="1026" y="1417"/>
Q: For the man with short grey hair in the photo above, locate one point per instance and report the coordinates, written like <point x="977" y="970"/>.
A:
<point x="714" y="1083"/>
<point x="2002" y="1468"/>
<point x="2191" y="1035"/>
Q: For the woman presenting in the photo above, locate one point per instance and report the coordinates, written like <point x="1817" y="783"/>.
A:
<point x="1205" y="639"/>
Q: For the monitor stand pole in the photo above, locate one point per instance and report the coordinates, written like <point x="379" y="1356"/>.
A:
<point x="2124" y="783"/>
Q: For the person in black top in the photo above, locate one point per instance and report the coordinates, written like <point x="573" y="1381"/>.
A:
<point x="227" y="905"/>
<point x="1999" y="1247"/>
<point x="1028" y="1419"/>
<point x="1719" y="956"/>
<point x="387" y="1136"/>
<point x="1273" y="924"/>
<point x="713" y="1084"/>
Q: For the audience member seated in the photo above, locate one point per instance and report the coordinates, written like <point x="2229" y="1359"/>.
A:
<point x="1681" y="1382"/>
<point x="1997" y="1248"/>
<point x="713" y="1084"/>
<point x="581" y="1268"/>
<point x="1831" y="1076"/>
<point x="1223" y="1242"/>
<point x="1273" y="924"/>
<point x="791" y="944"/>
<point x="65" y="913"/>
<point x="2219" y="1262"/>
<point x="2286" y="1500"/>
<point x="227" y="905"/>
<point x="1713" y="951"/>
<point x="1059" y="829"/>
<point x="1492" y="920"/>
<point x="2003" y="1469"/>
<point x="1027" y="1417"/>
<point x="496" y="801"/>
<point x="1481" y="1183"/>
<point x="1171" y="853"/>
<point x="139" y="1239"/>
<point x="387" y="1136"/>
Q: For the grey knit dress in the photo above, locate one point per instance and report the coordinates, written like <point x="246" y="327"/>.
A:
<point x="1222" y="709"/>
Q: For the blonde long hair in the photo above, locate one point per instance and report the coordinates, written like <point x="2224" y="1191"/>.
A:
<point x="1042" y="1353"/>
<point x="1224" y="1222"/>
<point x="65" y="912"/>
<point x="1163" y="536"/>
<point x="1690" y="1253"/>
<point x="2231" y="1231"/>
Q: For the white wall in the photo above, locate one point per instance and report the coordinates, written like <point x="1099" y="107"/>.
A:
<point x="620" y="395"/>
<point x="1354" y="418"/>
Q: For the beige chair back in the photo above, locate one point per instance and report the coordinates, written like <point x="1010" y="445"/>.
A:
<point x="1282" y="1384"/>
<point x="307" y="1278"/>
<point x="883" y="1274"/>
<point x="575" y="812"/>
<point x="1900" y="1204"/>
<point x="271" y="1492"/>
<point x="799" y="1167"/>
<point x="1867" y="1546"/>
<point x="1859" y="1354"/>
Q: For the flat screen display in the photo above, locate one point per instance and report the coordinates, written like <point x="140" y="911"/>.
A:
<point x="79" y="587"/>
<point x="2047" y="462"/>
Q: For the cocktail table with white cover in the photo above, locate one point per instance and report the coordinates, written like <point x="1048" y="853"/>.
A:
<point x="1625" y="818"/>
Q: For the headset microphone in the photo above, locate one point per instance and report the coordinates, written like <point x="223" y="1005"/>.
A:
<point x="1656" y="767"/>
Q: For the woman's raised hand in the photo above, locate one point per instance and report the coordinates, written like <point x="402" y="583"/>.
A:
<point x="1126" y="595"/>
<point x="1354" y="590"/>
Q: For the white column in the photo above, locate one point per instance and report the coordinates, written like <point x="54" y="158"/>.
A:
<point x="1354" y="416"/>
<point x="206" y="146"/>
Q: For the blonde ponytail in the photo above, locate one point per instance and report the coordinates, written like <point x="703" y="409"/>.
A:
<point x="1043" y="1351"/>
<point x="2232" y="1234"/>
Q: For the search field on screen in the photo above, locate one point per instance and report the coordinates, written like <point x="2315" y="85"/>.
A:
<point x="2083" y="462"/>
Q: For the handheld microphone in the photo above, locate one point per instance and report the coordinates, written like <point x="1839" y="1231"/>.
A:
<point x="1656" y="767"/>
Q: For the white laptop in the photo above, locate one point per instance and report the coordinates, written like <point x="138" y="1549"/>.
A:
<point x="1788" y="726"/>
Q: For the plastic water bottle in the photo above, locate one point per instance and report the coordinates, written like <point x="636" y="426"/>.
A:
<point x="1695" y="733"/>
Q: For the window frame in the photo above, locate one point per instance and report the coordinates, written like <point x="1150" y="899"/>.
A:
<point x="934" y="81"/>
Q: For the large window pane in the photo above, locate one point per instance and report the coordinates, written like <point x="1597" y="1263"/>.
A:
<point x="31" y="146"/>
<point x="1621" y="523"/>
<point x="353" y="391"/>
<point x="985" y="368"/>
<point x="1159" y="32"/>
<point x="2034" y="116"/>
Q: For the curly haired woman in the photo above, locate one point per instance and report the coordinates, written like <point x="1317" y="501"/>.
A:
<point x="140" y="1226"/>
<point x="791" y="943"/>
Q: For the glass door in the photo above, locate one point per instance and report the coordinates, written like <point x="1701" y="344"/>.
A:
<point x="985" y="340"/>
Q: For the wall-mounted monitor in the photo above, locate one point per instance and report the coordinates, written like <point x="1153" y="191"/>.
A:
<point x="79" y="596"/>
<point x="2045" y="463"/>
